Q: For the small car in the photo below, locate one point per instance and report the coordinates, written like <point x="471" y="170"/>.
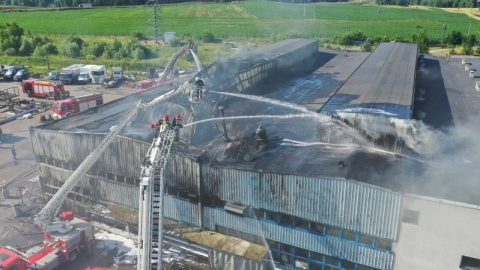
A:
<point x="21" y="75"/>
<point x="54" y="75"/>
<point x="9" y="74"/>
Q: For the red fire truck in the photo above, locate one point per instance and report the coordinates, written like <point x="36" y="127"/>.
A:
<point x="45" y="89"/>
<point x="69" y="106"/>
<point x="57" y="248"/>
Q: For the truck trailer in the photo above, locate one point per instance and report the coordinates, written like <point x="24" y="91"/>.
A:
<point x="69" y="75"/>
<point x="67" y="107"/>
<point x="44" y="89"/>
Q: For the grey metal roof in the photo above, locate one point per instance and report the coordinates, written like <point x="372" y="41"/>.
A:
<point x="382" y="85"/>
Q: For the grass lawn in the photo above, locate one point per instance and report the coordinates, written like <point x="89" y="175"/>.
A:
<point x="251" y="19"/>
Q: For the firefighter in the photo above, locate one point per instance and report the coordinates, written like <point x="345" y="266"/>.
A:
<point x="165" y="123"/>
<point x="177" y="125"/>
<point x="199" y="87"/>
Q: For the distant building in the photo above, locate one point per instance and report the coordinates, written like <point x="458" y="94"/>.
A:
<point x="167" y="36"/>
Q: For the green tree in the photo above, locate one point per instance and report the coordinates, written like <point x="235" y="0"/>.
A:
<point x="454" y="38"/>
<point x="421" y="40"/>
<point x="10" y="37"/>
<point x="138" y="54"/>
<point x="27" y="47"/>
<point x="70" y="50"/>
<point x="207" y="37"/>
<point x="367" y="45"/>
<point x="467" y="45"/>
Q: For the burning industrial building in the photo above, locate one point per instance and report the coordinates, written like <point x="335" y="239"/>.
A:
<point x="305" y="158"/>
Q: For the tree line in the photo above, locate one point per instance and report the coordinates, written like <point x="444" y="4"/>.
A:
<point x="431" y="3"/>
<point x="14" y="41"/>
<point x="76" y="3"/>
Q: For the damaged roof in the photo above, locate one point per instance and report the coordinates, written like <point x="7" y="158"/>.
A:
<point x="298" y="141"/>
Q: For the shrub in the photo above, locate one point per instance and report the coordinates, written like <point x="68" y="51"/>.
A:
<point x="176" y="42"/>
<point x="10" y="52"/>
<point x="207" y="37"/>
<point x="70" y="49"/>
<point x="40" y="51"/>
<point x="138" y="54"/>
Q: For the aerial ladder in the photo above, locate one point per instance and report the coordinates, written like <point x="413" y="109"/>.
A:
<point x="152" y="185"/>
<point x="172" y="61"/>
<point x="46" y="216"/>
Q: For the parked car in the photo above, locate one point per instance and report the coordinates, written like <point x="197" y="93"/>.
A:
<point x="54" y="75"/>
<point x="11" y="71"/>
<point x="21" y="75"/>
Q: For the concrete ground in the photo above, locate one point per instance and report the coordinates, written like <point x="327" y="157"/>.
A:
<point x="18" y="175"/>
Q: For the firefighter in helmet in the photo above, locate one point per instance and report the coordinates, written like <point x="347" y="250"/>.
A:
<point x="165" y="123"/>
<point x="199" y="89"/>
<point x="177" y="125"/>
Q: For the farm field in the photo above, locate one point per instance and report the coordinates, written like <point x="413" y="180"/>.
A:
<point x="251" y="19"/>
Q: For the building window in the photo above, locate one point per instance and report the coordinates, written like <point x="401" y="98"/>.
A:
<point x="410" y="216"/>
<point x="365" y="239"/>
<point x="348" y="265"/>
<point x="316" y="256"/>
<point x="383" y="244"/>
<point x="363" y="267"/>
<point x="286" y="220"/>
<point x="272" y="244"/>
<point x="130" y="180"/>
<point x="333" y="231"/>
<point x="348" y="235"/>
<point x="317" y="227"/>
<point x="332" y="261"/>
<point x="120" y="178"/>
<point x="302" y="223"/>
<point x="287" y="248"/>
<point x="271" y="216"/>
<point x="315" y="266"/>
<point x="300" y="252"/>
<point x="110" y="176"/>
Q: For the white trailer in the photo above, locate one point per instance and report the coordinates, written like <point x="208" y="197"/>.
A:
<point x="99" y="74"/>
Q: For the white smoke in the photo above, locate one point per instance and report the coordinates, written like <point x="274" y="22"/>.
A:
<point x="417" y="136"/>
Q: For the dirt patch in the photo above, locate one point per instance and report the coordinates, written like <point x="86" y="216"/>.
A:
<point x="243" y="12"/>
<point x="470" y="12"/>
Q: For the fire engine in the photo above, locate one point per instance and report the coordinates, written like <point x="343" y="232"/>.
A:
<point x="45" y="89"/>
<point x="69" y="106"/>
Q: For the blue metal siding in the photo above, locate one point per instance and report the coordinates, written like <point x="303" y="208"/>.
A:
<point x="322" y="244"/>
<point x="342" y="203"/>
<point x="181" y="210"/>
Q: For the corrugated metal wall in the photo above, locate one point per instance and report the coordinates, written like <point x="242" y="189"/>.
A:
<point x="346" y="204"/>
<point x="75" y="147"/>
<point x="326" y="245"/>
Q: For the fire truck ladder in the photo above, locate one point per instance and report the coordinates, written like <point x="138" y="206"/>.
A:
<point x="150" y="217"/>
<point x="45" y="217"/>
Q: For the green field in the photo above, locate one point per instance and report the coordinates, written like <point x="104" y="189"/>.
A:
<point x="252" y="19"/>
